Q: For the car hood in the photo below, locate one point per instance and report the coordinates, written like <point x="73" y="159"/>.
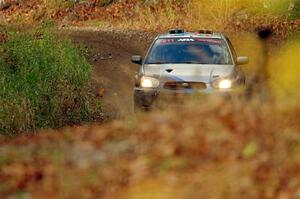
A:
<point x="188" y="72"/>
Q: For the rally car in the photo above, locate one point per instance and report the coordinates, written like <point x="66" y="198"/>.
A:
<point x="180" y="62"/>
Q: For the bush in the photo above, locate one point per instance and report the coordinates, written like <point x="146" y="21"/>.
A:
<point x="295" y="11"/>
<point x="45" y="83"/>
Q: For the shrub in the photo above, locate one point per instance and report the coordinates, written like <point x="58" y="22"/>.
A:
<point x="295" y="11"/>
<point x="45" y="82"/>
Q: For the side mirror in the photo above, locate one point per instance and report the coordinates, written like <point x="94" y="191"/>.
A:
<point x="137" y="59"/>
<point x="242" y="60"/>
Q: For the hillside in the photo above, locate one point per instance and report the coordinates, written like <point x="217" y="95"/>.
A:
<point x="67" y="125"/>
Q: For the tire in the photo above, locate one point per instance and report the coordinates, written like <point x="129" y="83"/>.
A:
<point x="140" y="109"/>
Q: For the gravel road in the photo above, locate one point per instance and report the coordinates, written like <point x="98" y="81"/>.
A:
<point x="110" y="53"/>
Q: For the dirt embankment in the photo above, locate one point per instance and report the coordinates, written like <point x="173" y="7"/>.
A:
<point x="110" y="53"/>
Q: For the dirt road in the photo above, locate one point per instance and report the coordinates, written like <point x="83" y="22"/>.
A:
<point x="110" y="53"/>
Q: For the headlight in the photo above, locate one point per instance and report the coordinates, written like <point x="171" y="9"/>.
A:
<point x="149" y="82"/>
<point x="223" y="84"/>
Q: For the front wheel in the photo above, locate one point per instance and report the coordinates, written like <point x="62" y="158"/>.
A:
<point x="137" y="108"/>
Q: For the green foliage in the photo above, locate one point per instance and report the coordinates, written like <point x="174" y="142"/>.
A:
<point x="295" y="12"/>
<point x="45" y="82"/>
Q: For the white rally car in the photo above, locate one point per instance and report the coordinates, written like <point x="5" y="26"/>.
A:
<point x="187" y="62"/>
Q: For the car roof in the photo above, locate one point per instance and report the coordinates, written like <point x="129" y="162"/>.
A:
<point x="180" y="33"/>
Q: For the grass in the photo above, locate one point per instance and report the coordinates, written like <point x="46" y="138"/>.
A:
<point x="195" y="14"/>
<point x="59" y="4"/>
<point x="45" y="83"/>
<point x="161" y="15"/>
<point x="64" y="4"/>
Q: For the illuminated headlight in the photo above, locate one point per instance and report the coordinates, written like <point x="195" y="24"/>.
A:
<point x="223" y="84"/>
<point x="149" y="82"/>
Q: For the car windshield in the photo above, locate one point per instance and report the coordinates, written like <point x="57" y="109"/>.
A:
<point x="190" y="51"/>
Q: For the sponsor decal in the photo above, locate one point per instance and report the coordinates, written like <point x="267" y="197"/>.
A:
<point x="213" y="41"/>
<point x="186" y="40"/>
<point x="203" y="40"/>
<point x="165" y="41"/>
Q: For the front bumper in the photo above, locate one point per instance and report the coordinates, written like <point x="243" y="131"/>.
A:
<point x="146" y="98"/>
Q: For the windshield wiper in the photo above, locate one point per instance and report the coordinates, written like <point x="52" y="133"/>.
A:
<point x="187" y="62"/>
<point x="192" y="62"/>
<point x="157" y="62"/>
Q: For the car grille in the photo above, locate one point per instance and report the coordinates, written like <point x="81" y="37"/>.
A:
<point x="184" y="85"/>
